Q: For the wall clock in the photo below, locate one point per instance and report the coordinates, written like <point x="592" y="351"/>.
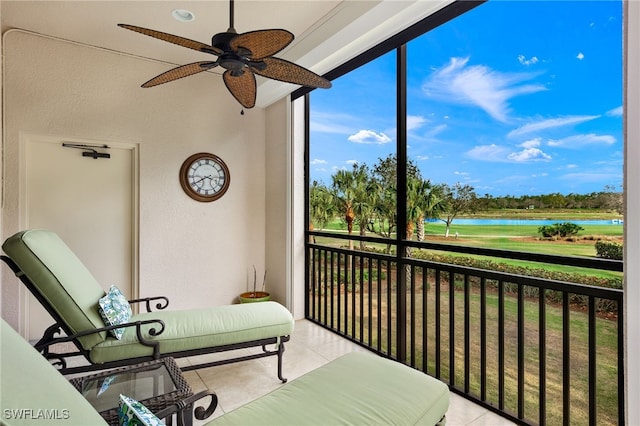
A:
<point x="204" y="177"/>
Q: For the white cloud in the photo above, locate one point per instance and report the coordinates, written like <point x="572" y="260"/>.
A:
<point x="533" y="143"/>
<point x="422" y="157"/>
<point x="616" y="112"/>
<point x="491" y="152"/>
<point x="318" y="161"/>
<point x="352" y="162"/>
<point x="327" y="122"/>
<point x="502" y="154"/>
<point x="528" y="155"/>
<point x="432" y="132"/>
<point x="415" y="122"/>
<point x="369" y="137"/>
<point x="552" y="123"/>
<point x="579" y="141"/>
<point x="524" y="61"/>
<point x="479" y="85"/>
<point x="461" y="173"/>
<point x="580" y="56"/>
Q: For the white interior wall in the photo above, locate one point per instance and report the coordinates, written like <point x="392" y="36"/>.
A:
<point x="197" y="254"/>
<point x="276" y="220"/>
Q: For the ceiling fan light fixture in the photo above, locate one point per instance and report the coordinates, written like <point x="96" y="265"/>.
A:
<point x="183" y="15"/>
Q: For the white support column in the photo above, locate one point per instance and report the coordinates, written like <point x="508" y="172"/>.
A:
<point x="632" y="216"/>
<point x="297" y="221"/>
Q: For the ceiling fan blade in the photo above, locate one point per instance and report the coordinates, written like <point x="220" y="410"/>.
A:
<point x="242" y="87"/>
<point x="262" y="43"/>
<point x="282" y="70"/>
<point x="180" y="41"/>
<point x="179" y="72"/>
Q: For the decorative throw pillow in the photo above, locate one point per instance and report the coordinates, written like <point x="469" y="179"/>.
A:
<point x="133" y="413"/>
<point x="114" y="310"/>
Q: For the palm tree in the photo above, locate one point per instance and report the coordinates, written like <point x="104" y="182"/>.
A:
<point x="321" y="205"/>
<point x="423" y="200"/>
<point x="349" y="189"/>
<point x="430" y="204"/>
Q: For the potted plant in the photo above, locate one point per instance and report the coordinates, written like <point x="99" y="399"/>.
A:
<point x="255" y="295"/>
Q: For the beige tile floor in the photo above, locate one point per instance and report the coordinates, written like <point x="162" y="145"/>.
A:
<point x="309" y="348"/>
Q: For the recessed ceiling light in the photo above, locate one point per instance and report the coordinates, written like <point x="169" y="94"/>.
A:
<point x="183" y="15"/>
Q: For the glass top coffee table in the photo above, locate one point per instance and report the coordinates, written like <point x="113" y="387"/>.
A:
<point x="157" y="384"/>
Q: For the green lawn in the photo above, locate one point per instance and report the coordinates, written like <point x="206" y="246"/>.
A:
<point x="425" y="328"/>
<point x="524" y="238"/>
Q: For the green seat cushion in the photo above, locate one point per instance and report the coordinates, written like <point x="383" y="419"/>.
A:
<point x="355" y="389"/>
<point x="32" y="392"/>
<point x="200" y="328"/>
<point x="61" y="278"/>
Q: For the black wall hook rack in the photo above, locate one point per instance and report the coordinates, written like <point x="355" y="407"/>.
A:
<point x="89" y="150"/>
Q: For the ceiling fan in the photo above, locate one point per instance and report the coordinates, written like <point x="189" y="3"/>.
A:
<point x="242" y="56"/>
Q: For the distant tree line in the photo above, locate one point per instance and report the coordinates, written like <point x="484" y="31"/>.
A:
<point x="609" y="199"/>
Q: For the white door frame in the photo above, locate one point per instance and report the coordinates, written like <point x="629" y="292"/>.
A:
<point x="23" y="216"/>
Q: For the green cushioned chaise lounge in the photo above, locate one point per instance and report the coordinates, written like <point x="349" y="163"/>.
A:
<point x="355" y="389"/>
<point x="70" y="293"/>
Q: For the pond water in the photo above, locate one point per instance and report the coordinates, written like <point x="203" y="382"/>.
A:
<point x="536" y="222"/>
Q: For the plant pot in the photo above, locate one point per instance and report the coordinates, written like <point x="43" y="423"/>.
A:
<point x="257" y="296"/>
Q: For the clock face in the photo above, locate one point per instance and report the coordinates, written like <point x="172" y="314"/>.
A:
<point x="204" y="177"/>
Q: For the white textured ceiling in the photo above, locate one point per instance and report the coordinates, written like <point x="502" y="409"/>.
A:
<point x="328" y="32"/>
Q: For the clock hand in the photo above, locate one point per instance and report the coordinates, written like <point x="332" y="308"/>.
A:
<point x="201" y="179"/>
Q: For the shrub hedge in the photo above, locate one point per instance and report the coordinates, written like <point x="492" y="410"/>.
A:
<point x="609" y="250"/>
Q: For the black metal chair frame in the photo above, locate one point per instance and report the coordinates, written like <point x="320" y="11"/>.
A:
<point x="59" y="327"/>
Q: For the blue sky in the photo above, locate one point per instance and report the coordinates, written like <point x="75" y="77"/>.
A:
<point x="512" y="98"/>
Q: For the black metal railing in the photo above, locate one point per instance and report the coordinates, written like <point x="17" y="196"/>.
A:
<point x="535" y="350"/>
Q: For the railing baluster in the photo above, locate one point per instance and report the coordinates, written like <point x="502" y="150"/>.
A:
<point x="389" y="310"/>
<point x="361" y="287"/>
<point x="592" y="361"/>
<point x="412" y="317"/>
<point x="326" y="284"/>
<point x="542" y="343"/>
<point x="452" y="329"/>
<point x="347" y="261"/>
<point x="332" y="307"/>
<point x="438" y="313"/>
<point x="339" y="295"/>
<point x="521" y="352"/>
<point x="467" y="336"/>
<point x="378" y="310"/>
<point x="483" y="339"/>
<point x="566" y="360"/>
<point x="425" y="322"/>
<point x="370" y="307"/>
<point x="501" y="345"/>
<point x="314" y="272"/>
<point x="621" y="378"/>
<point x="354" y="285"/>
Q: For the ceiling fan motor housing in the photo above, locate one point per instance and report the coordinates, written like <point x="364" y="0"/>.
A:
<point x="230" y="60"/>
